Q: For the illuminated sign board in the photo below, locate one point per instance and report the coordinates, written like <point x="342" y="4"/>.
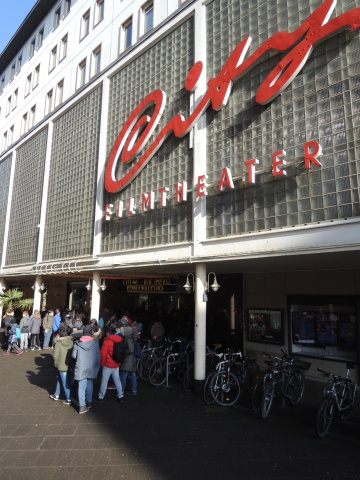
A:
<point x="148" y="285"/>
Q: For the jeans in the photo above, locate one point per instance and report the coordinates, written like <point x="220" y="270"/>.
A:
<point x="85" y="391"/>
<point x="24" y="341"/>
<point x="35" y="340"/>
<point x="47" y="336"/>
<point x="106" y="374"/>
<point x="62" y="377"/>
<point x="123" y="376"/>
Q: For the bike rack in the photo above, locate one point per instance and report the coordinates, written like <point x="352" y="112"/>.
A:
<point x="173" y="361"/>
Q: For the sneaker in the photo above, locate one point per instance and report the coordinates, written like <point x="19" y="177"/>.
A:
<point x="46" y="348"/>
<point x="88" y="405"/>
<point x="121" y="400"/>
<point x="111" y="387"/>
<point x="39" y="348"/>
<point x="32" y="348"/>
<point x="54" y="397"/>
<point x="84" y="409"/>
<point x="67" y="402"/>
<point x="19" y="352"/>
<point x="6" y="353"/>
<point x="100" y="400"/>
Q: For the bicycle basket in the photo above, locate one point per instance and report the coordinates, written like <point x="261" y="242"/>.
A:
<point x="301" y="364"/>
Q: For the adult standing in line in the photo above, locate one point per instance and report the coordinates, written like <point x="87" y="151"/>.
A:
<point x="24" y="328"/>
<point x="128" y="367"/>
<point x="7" y="324"/>
<point x="47" y="324"/>
<point x="86" y="353"/>
<point x="62" y="361"/>
<point x="56" y="323"/>
<point x="34" y="330"/>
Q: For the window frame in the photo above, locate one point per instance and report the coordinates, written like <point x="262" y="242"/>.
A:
<point x="40" y="37"/>
<point x="53" y="59"/>
<point x="32" y="48"/>
<point x="63" y="47"/>
<point x="85" y="25"/>
<point x="82" y="71"/>
<point x="99" y="11"/>
<point x="124" y="34"/>
<point x="145" y="9"/>
<point x="96" y="63"/>
<point x="57" y="17"/>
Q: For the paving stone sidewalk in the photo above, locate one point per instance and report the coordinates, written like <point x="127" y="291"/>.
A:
<point x="161" y="434"/>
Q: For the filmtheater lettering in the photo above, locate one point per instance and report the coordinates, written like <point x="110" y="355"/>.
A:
<point x="138" y="128"/>
<point x="149" y="285"/>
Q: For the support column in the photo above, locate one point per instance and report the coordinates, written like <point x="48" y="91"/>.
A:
<point x="200" y="329"/>
<point x="95" y="295"/>
<point x="2" y="289"/>
<point x="37" y="293"/>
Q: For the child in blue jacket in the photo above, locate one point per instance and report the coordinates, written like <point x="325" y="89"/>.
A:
<point x="13" y="340"/>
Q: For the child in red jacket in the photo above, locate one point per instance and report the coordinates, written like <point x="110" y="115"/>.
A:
<point x="110" y="368"/>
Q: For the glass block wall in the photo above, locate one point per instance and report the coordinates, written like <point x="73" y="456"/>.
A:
<point x="322" y="104"/>
<point x="69" y="226"/>
<point x="26" y="201"/>
<point x="165" y="66"/>
<point x="5" y="170"/>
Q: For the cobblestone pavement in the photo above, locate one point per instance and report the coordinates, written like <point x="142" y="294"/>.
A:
<point x="162" y="433"/>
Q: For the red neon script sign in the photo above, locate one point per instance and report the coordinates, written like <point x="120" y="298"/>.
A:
<point x="299" y="44"/>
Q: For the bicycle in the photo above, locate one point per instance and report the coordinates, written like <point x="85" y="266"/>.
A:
<point x="150" y="353"/>
<point x="211" y="360"/>
<point x="339" y="396"/>
<point x="169" y="363"/>
<point x="285" y="378"/>
<point x="235" y="374"/>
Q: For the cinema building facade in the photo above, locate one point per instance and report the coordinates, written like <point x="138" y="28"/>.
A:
<point x="220" y="146"/>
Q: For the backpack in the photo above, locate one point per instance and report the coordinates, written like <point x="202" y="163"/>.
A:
<point x="119" y="352"/>
<point x="137" y="350"/>
<point x="18" y="332"/>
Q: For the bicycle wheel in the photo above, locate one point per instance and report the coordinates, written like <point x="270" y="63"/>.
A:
<point x="295" y="387"/>
<point x="252" y="376"/>
<point x="267" y="397"/>
<point x="347" y="404"/>
<point x="143" y="367"/>
<point x="188" y="382"/>
<point x="157" y="372"/>
<point x="208" y="398"/>
<point x="324" y="417"/>
<point x="257" y="396"/>
<point x="225" y="388"/>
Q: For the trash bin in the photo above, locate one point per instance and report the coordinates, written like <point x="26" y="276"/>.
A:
<point x="2" y="337"/>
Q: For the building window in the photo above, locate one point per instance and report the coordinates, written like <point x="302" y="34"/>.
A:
<point x="49" y="102"/>
<point x="36" y="76"/>
<point x="28" y="85"/>
<point x="4" y="143"/>
<point x="12" y="72"/>
<point x="85" y="24"/>
<point x="127" y="29"/>
<point x="99" y="11"/>
<point x="32" y="116"/>
<point x="11" y="135"/>
<point x="8" y="105"/>
<point x="32" y="47"/>
<point x="15" y="99"/>
<point x="57" y="15"/>
<point x="148" y="14"/>
<point x="23" y="124"/>
<point x="53" y="55"/>
<point x="82" y="73"/>
<point x="96" y="60"/>
<point x="19" y="64"/>
<point x="59" y="92"/>
<point x="63" y="47"/>
<point x="67" y="7"/>
<point x="40" y="37"/>
<point x="2" y="85"/>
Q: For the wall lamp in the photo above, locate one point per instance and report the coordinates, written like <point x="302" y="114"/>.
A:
<point x="103" y="285"/>
<point x="88" y="286"/>
<point x="41" y="288"/>
<point x="188" y="287"/>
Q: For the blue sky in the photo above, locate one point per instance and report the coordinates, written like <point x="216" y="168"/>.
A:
<point x="13" y="13"/>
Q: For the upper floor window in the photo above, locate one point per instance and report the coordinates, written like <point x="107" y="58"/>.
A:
<point x="19" y="63"/>
<point x="36" y="76"/>
<point x="96" y="60"/>
<point x="8" y="105"/>
<point x="53" y="55"/>
<point x="4" y="143"/>
<point x="63" y="47"/>
<point x="148" y="13"/>
<point x="12" y="72"/>
<point x="99" y="11"/>
<point x="32" y="47"/>
<point x="40" y="37"/>
<point x="127" y="29"/>
<point x="67" y="7"/>
<point x="49" y="102"/>
<point x="28" y="85"/>
<point x="82" y="73"/>
<point x="15" y="99"/>
<point x="85" y="24"/>
<point x="57" y="15"/>
<point x="2" y="85"/>
<point x="11" y="135"/>
<point x="24" y="124"/>
<point x="32" y="116"/>
<point x="59" y="92"/>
